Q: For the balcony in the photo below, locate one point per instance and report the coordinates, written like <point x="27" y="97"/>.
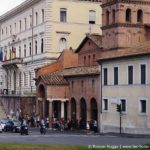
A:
<point x="12" y="63"/>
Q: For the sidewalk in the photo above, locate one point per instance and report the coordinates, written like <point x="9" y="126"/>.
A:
<point x="84" y="132"/>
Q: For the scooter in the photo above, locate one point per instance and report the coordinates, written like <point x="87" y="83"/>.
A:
<point x="43" y="129"/>
<point x="24" y="130"/>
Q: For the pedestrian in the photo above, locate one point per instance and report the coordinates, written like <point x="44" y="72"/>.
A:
<point x="87" y="126"/>
<point x="95" y="126"/>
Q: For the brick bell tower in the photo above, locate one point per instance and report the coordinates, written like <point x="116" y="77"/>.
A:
<point x="125" y="23"/>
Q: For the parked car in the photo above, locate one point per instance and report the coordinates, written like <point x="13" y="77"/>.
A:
<point x="12" y="126"/>
<point x="3" y="122"/>
<point x="1" y="128"/>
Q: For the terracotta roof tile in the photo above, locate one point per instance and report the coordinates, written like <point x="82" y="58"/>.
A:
<point x="139" y="49"/>
<point x="81" y="71"/>
<point x="54" y="78"/>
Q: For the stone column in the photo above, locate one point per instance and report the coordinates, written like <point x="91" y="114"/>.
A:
<point x="50" y="113"/>
<point x="62" y="109"/>
<point x="88" y="111"/>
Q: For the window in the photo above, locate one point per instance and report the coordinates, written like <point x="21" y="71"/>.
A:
<point x="140" y="16"/>
<point x="123" y="105"/>
<point x="72" y="84"/>
<point x="35" y="47"/>
<point x="130" y="74"/>
<point x="42" y="15"/>
<point x="89" y="59"/>
<point x="15" y="27"/>
<point x="19" y="51"/>
<point x="94" y="58"/>
<point x="2" y="31"/>
<point x="42" y="46"/>
<point x="25" y="23"/>
<point x="143" y="106"/>
<point x="93" y="84"/>
<point x="84" y="60"/>
<point x="105" y="104"/>
<point x="20" y="79"/>
<point x="113" y="16"/>
<point x="20" y="25"/>
<point x="63" y="15"/>
<point x="30" y="21"/>
<point x="6" y="31"/>
<point x="92" y="16"/>
<point x="143" y="74"/>
<point x="24" y="79"/>
<point x="107" y="17"/>
<point x="105" y="76"/>
<point x="36" y="17"/>
<point x="62" y="44"/>
<point x="128" y="15"/>
<point x="30" y="48"/>
<point x="10" y="30"/>
<point x="115" y="75"/>
<point x="25" y="50"/>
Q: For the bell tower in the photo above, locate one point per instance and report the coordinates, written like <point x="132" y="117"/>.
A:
<point x="125" y="23"/>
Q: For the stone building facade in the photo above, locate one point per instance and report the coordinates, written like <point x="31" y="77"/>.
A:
<point x="34" y="34"/>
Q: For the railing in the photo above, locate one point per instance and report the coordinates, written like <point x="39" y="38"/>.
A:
<point x="12" y="62"/>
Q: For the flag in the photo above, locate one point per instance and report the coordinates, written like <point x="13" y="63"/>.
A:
<point x="5" y="54"/>
<point x="1" y="55"/>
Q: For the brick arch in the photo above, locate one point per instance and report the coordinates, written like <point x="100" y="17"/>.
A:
<point x="83" y="113"/>
<point x="73" y="109"/>
<point x="94" y="109"/>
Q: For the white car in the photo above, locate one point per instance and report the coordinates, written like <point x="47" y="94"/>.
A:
<point x="3" y="122"/>
<point x="0" y="128"/>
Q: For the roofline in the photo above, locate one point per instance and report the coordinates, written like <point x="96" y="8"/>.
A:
<point x="16" y="10"/>
<point x="120" y="57"/>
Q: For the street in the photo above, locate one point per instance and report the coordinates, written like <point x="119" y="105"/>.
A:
<point x="75" y="139"/>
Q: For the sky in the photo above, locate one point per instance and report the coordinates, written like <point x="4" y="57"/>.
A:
<point x="7" y="5"/>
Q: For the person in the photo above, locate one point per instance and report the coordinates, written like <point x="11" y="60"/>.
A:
<point x="95" y="126"/>
<point x="87" y="126"/>
<point x="47" y="122"/>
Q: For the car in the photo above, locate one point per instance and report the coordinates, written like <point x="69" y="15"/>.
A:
<point x="1" y="128"/>
<point x="3" y="122"/>
<point x="12" y="126"/>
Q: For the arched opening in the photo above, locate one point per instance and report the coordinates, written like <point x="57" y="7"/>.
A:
<point x="83" y="114"/>
<point x="128" y="15"/>
<point x="62" y="44"/>
<point x="43" y="103"/>
<point x="94" y="110"/>
<point x="140" y="16"/>
<point x="107" y="17"/>
<point x="73" y="109"/>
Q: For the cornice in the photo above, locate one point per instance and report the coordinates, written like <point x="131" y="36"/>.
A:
<point x="123" y="25"/>
<point x="141" y="2"/>
<point x="20" y="8"/>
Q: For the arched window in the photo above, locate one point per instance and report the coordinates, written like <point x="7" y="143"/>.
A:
<point x="107" y="17"/>
<point x="92" y="16"/>
<point x="140" y="16"/>
<point x="113" y="16"/>
<point x="36" y="17"/>
<point x="42" y="46"/>
<point x="128" y="15"/>
<point x="62" y="44"/>
<point x="84" y="60"/>
<point x="35" y="47"/>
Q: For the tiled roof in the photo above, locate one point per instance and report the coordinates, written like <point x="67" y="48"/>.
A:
<point x="96" y="38"/>
<point x="81" y="71"/>
<point x="54" y="78"/>
<point x="138" y="50"/>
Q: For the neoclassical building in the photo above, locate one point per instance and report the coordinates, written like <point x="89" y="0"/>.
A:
<point x="34" y="34"/>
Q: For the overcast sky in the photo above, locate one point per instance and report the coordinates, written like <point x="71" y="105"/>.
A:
<point x="8" y="4"/>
